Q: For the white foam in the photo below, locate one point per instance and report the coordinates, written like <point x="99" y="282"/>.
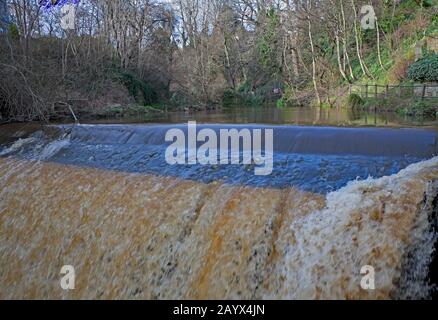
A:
<point x="332" y="244"/>
<point x="53" y="148"/>
<point x="17" y="145"/>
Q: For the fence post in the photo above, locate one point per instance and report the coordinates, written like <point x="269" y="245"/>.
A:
<point x="349" y="89"/>
<point x="375" y="90"/>
<point x="386" y="90"/>
<point x="423" y="92"/>
<point x="366" y="90"/>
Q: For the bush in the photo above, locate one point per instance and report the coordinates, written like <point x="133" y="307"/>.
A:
<point x="289" y="98"/>
<point x="229" y="98"/>
<point x="420" y="108"/>
<point x="280" y="103"/>
<point x="140" y="90"/>
<point x="399" y="70"/>
<point x="425" y="69"/>
<point x="241" y="97"/>
<point x="355" y="101"/>
<point x="13" y="31"/>
<point x="423" y="108"/>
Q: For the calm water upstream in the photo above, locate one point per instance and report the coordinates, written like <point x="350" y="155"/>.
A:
<point x="292" y="116"/>
<point x="347" y="190"/>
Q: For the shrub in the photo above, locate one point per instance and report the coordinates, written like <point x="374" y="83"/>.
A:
<point x="13" y="31"/>
<point x="425" y="69"/>
<point x="289" y="96"/>
<point x="229" y="98"/>
<point x="280" y="103"/>
<point x="423" y="108"/>
<point x="433" y="26"/>
<point x="419" y="108"/>
<point x="399" y="70"/>
<point x="140" y="90"/>
<point x="355" y="101"/>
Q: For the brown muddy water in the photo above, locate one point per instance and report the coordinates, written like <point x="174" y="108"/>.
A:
<point x="102" y="199"/>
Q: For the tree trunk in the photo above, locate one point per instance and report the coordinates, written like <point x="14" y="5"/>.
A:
<point x="315" y="84"/>
<point x="358" y="45"/>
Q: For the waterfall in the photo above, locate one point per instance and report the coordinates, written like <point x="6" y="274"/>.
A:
<point x="101" y="198"/>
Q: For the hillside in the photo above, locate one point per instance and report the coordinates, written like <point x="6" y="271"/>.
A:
<point x="123" y="59"/>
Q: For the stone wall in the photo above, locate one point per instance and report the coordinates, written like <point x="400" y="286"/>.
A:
<point x="432" y="43"/>
<point x="430" y="91"/>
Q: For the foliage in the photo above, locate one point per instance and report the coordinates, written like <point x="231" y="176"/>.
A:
<point x="420" y="108"/>
<point x="229" y="98"/>
<point x="433" y="26"/>
<point x="218" y="54"/>
<point x="399" y="70"/>
<point x="393" y="19"/>
<point x="355" y="101"/>
<point x="280" y="103"/>
<point x="232" y="98"/>
<point x="140" y="90"/>
<point x="13" y="31"/>
<point x="268" y="43"/>
<point x="425" y="69"/>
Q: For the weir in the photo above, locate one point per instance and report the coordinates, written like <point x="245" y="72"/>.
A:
<point x="291" y="139"/>
<point x="101" y="198"/>
<point x="315" y="159"/>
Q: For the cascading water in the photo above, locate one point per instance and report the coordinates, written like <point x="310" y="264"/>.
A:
<point x="103" y="199"/>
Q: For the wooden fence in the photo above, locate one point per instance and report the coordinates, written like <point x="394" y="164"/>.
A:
<point x="420" y="91"/>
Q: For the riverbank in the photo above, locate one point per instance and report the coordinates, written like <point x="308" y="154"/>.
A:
<point x="315" y="116"/>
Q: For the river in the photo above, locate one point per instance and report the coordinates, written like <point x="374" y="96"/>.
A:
<point x="344" y="193"/>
